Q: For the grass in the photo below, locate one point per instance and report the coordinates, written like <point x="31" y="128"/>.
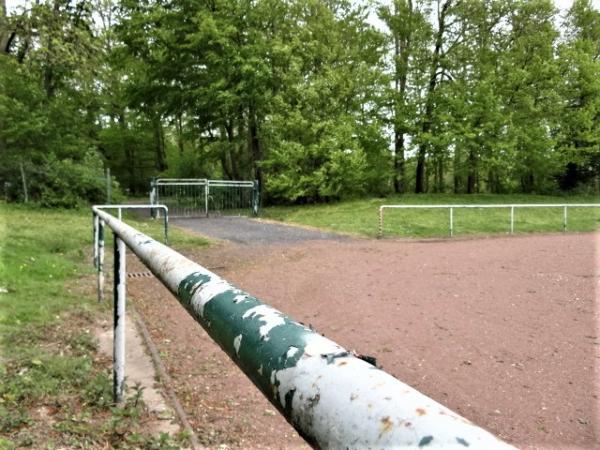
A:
<point x="55" y="389"/>
<point x="361" y="217"/>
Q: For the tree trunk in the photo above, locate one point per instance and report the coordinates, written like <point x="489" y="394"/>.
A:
<point x="128" y="151"/>
<point x="456" y="172"/>
<point x="179" y="126"/>
<point x="439" y="175"/>
<point x="255" y="148"/>
<point x="399" y="178"/>
<point x="493" y="181"/>
<point x="426" y="122"/>
<point x="225" y="156"/>
<point x="472" y="177"/>
<point x="159" y="142"/>
<point x="24" y="181"/>
<point x="6" y="35"/>
<point x="402" y="45"/>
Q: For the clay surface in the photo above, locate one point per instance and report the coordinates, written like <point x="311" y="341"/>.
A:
<point x="502" y="330"/>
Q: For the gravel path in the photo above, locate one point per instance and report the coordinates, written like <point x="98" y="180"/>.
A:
<point x="243" y="230"/>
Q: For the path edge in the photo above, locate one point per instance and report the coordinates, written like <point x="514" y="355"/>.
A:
<point x="165" y="379"/>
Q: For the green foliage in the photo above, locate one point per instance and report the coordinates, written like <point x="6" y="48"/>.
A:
<point x="65" y="184"/>
<point x="579" y="132"/>
<point x="47" y="107"/>
<point x="306" y="96"/>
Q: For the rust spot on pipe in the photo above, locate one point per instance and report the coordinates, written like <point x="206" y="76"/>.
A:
<point x="342" y="363"/>
<point x="386" y="424"/>
<point x="421" y="411"/>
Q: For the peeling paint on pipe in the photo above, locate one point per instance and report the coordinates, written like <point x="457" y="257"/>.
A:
<point x="333" y="399"/>
<point x="120" y="278"/>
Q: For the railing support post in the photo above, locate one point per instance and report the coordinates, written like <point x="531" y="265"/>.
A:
<point x="206" y="198"/>
<point x="380" y="234"/>
<point x="120" y="276"/>
<point x="255" y="198"/>
<point x="166" y="226"/>
<point x="451" y="221"/>
<point x="512" y="220"/>
<point x="95" y="221"/>
<point x="100" y="265"/>
<point x="565" y="218"/>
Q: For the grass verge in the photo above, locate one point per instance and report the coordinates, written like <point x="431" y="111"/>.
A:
<point x="55" y="389"/>
<point x="360" y="217"/>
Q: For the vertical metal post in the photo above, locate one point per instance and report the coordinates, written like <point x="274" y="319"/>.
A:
<point x="120" y="214"/>
<point x="206" y="197"/>
<point x="100" y="266"/>
<point x="451" y="221"/>
<point x="512" y="220"/>
<point x="95" y="221"/>
<point x="166" y="227"/>
<point x="108" y="186"/>
<point x="255" y="197"/>
<point x="565" y="218"/>
<point x="119" y="320"/>
<point x="380" y="234"/>
<point x="157" y="197"/>
<point x="153" y="198"/>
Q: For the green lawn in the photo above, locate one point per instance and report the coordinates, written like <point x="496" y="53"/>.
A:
<point x="361" y="217"/>
<point x="47" y="355"/>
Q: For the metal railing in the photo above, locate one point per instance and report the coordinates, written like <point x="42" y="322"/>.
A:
<point x="331" y="397"/>
<point x="512" y="208"/>
<point x="98" y="236"/>
<point x="190" y="197"/>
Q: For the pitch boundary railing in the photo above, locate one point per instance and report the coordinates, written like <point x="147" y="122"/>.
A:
<point x="331" y="397"/>
<point x="512" y="208"/>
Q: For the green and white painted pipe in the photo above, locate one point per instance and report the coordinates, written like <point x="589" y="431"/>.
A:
<point x="332" y="398"/>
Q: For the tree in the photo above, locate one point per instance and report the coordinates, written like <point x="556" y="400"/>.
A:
<point x="579" y="133"/>
<point x="529" y="80"/>
<point x="409" y="30"/>
<point x="47" y="105"/>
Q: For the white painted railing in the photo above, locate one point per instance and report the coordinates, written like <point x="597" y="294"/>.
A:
<point x="511" y="207"/>
<point x="98" y="230"/>
<point x="334" y="399"/>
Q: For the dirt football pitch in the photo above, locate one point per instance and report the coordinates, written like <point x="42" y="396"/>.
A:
<point x="503" y="330"/>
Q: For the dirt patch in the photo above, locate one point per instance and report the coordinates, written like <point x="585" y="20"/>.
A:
<point x="502" y="330"/>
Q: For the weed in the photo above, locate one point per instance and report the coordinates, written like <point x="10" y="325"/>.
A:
<point x="54" y="390"/>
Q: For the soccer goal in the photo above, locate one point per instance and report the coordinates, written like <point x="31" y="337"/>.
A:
<point x="197" y="197"/>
